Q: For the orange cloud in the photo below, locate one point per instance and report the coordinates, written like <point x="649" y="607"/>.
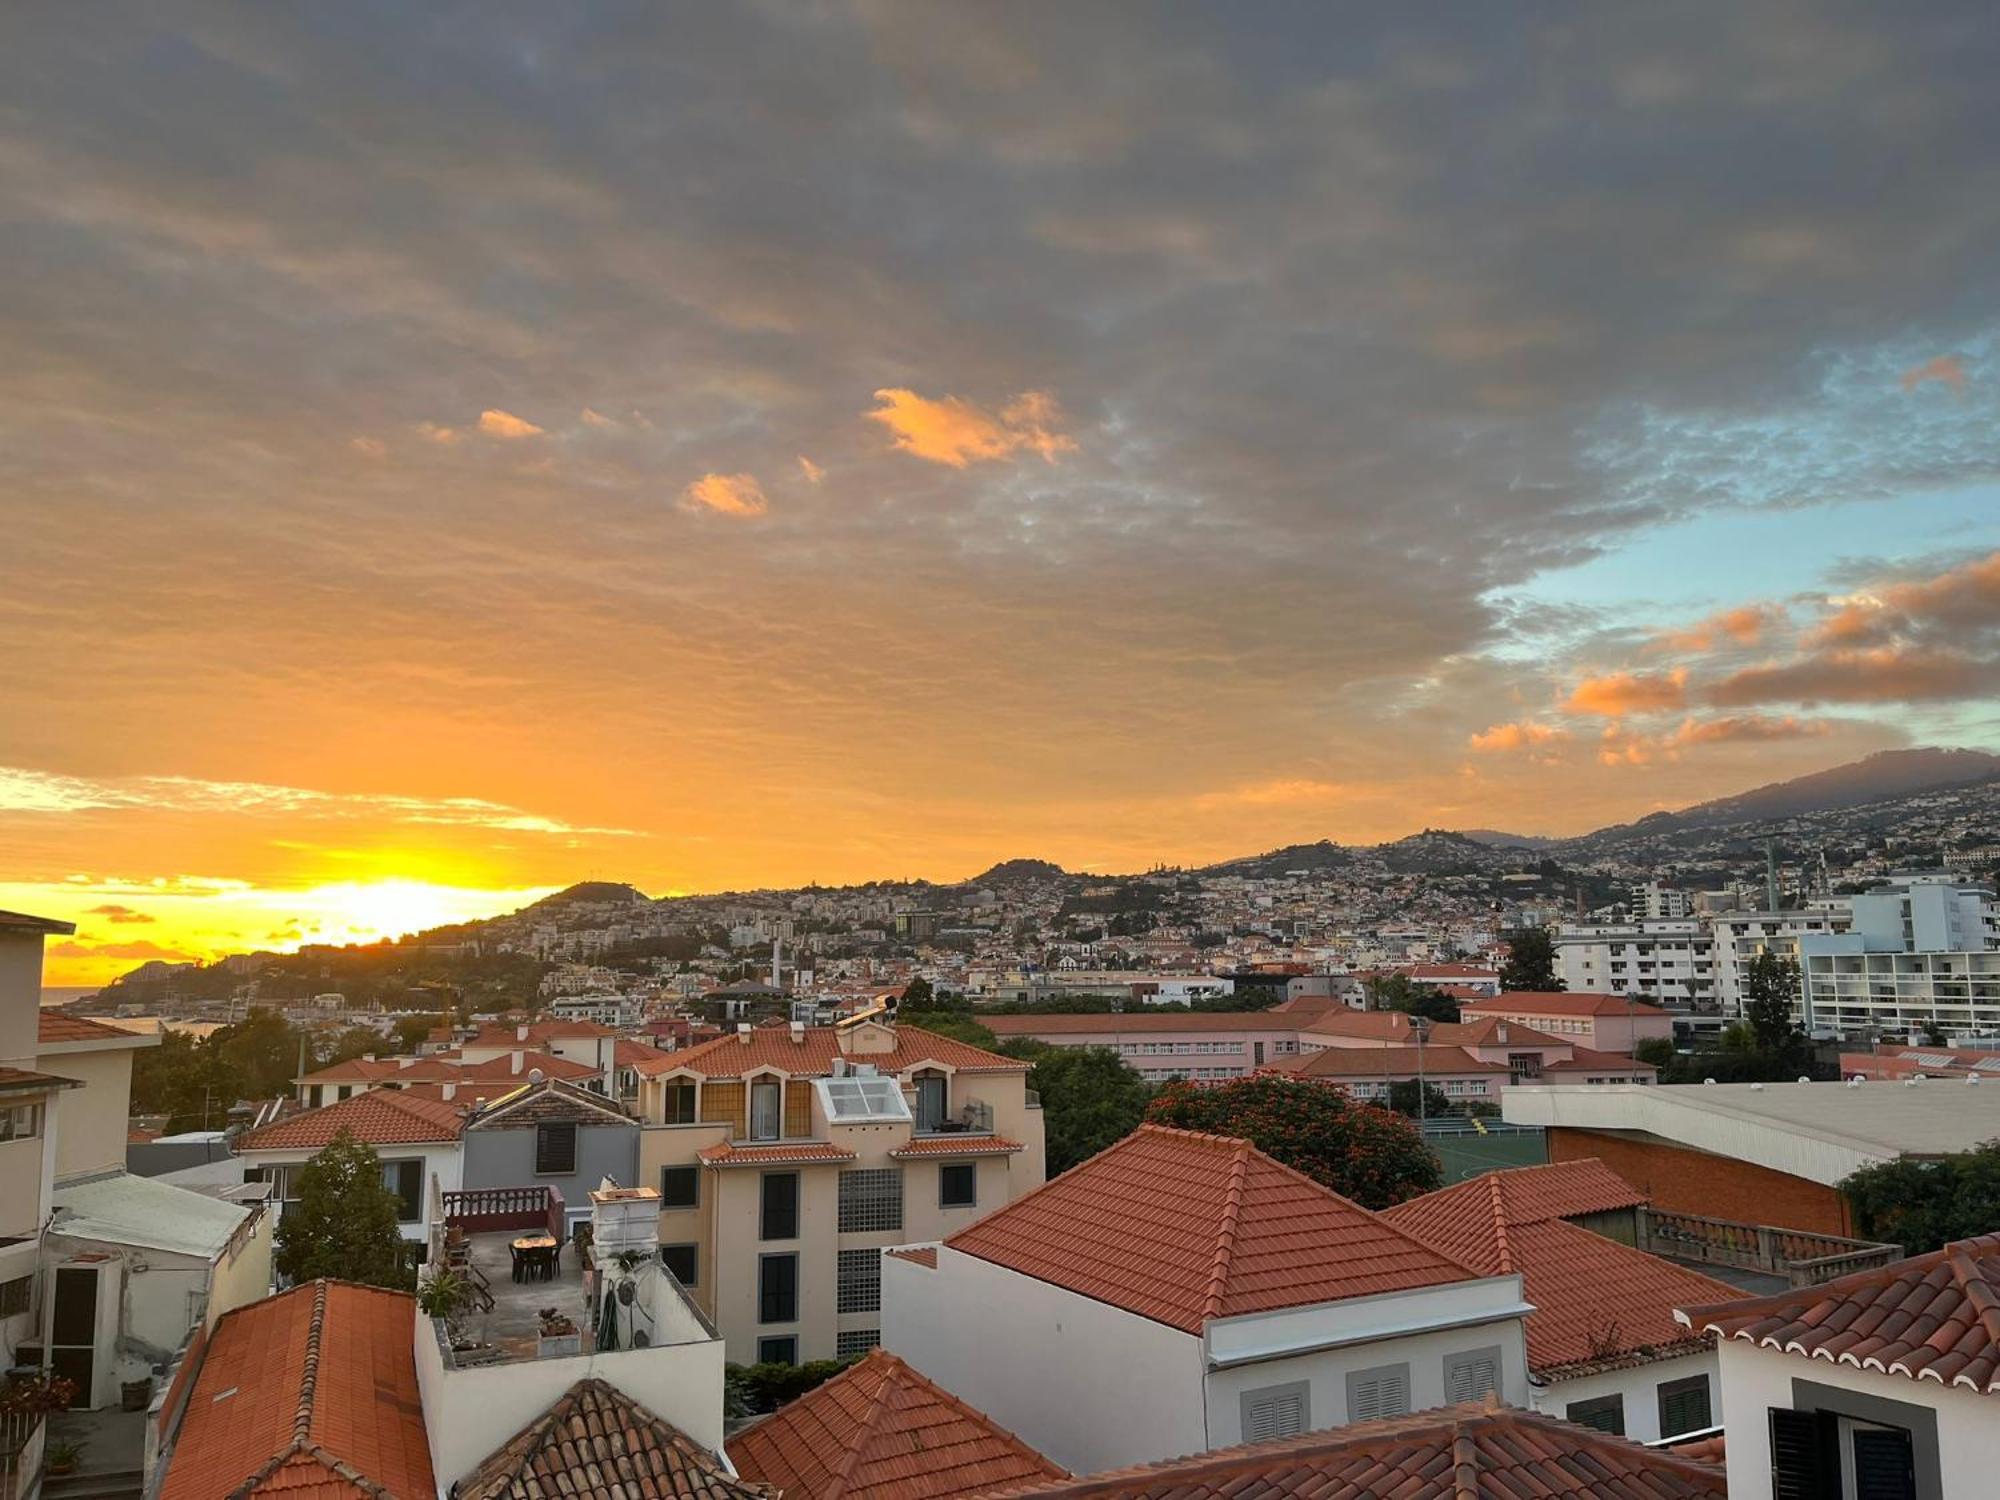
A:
<point x="956" y="432"/>
<point x="118" y="915"/>
<point x="1965" y="597"/>
<point x="813" y="472"/>
<point x="1525" y="735"/>
<point x="504" y="424"/>
<point x="444" y="437"/>
<point x="1946" y="370"/>
<point x="368" y="447"/>
<point x="1748" y="727"/>
<point x="591" y="418"/>
<point x="1284" y="792"/>
<point x="139" y="950"/>
<point x="1744" y="626"/>
<point x="1621" y="747"/>
<point x="1886" y="674"/>
<point x="1620" y="693"/>
<point x="726" y="494"/>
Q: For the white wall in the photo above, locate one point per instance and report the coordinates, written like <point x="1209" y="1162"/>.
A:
<point x="442" y="1160"/>
<point x="469" y="1413"/>
<point x="1756" y="1379"/>
<point x="91" y="1122"/>
<point x="1640" y="1388"/>
<point x="1087" y="1384"/>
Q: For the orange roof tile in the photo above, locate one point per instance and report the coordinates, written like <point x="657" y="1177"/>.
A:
<point x="1563" y="1003"/>
<point x="54" y="1027"/>
<point x="881" y="1431"/>
<point x="438" y="1068"/>
<point x="1598" y="1304"/>
<point x="312" y="1391"/>
<point x="1182" y="1228"/>
<point x="1136" y="1020"/>
<point x="922" y="1255"/>
<point x="380" y="1117"/>
<point x="813" y="1054"/>
<point x="1376" y="1026"/>
<point x="1375" y="1062"/>
<point x="957" y="1145"/>
<point x="1590" y="1060"/>
<point x="1484" y="1031"/>
<point x="27" y="1081"/>
<point x="597" y="1443"/>
<point x="1452" y="1453"/>
<point x="1930" y="1317"/>
<point x="723" y="1154"/>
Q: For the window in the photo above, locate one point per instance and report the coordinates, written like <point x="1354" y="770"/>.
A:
<point x="1684" y="1406"/>
<point x="767" y="1107"/>
<point x="855" y="1342"/>
<point x="860" y="1282"/>
<point x="777" y="1289"/>
<point x="1468" y="1376"/>
<point x="683" y="1260"/>
<point x="958" y="1184"/>
<point x="1802" y="1453"/>
<point x="1276" y="1411"/>
<point x="871" y="1199"/>
<point x="1605" y="1413"/>
<point x="21" y="1123"/>
<point x="555" y="1150"/>
<point x="780" y="1219"/>
<point x="782" y="1351"/>
<point x="406" y="1180"/>
<point x="677" y="1103"/>
<point x="930" y="1100"/>
<point x="15" y="1295"/>
<point x="1381" y="1392"/>
<point x="680" y="1187"/>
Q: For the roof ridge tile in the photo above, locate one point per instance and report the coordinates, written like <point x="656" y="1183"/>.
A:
<point x="1225" y="1238"/>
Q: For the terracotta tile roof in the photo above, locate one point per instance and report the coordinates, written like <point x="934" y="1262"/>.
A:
<point x="1474" y="1452"/>
<point x="1375" y="1062"/>
<point x="1484" y="1031"/>
<point x="923" y="1255"/>
<point x="723" y="1154"/>
<point x="551" y="1100"/>
<point x="1376" y="1026"/>
<point x="1182" y="1227"/>
<point x="627" y="1053"/>
<point x="1706" y="1450"/>
<point x="1590" y="1060"/>
<point x="880" y="1431"/>
<point x="1563" y="1003"/>
<point x="538" y="1033"/>
<point x="449" y="1069"/>
<point x="312" y="1392"/>
<point x="27" y="1081"/>
<point x="812" y="1056"/>
<point x="1138" y="1020"/>
<point x="597" y="1443"/>
<point x="1931" y="1317"/>
<point x="54" y="1027"/>
<point x="380" y="1117"/>
<point x="1598" y="1304"/>
<point x="957" y="1145"/>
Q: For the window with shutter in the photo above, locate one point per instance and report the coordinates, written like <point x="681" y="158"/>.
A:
<point x="780" y="1217"/>
<point x="1471" y="1374"/>
<point x="1885" y="1465"/>
<point x="777" y="1289"/>
<point x="1605" y="1413"/>
<point x="1380" y="1392"/>
<point x="1276" y="1411"/>
<point x="1684" y="1406"/>
<point x="1799" y="1455"/>
<point x="555" y="1150"/>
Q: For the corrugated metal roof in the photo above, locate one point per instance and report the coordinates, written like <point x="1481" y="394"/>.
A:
<point x="125" y="1210"/>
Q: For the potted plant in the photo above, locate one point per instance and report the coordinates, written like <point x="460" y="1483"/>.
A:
<point x="62" y="1457"/>
<point x="558" y="1335"/>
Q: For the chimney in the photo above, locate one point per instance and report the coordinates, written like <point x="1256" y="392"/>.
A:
<point x="514" y="1061"/>
<point x="368" y="1057"/>
<point x="798" y="1033"/>
<point x="450" y="1091"/>
<point x="743" y="1032"/>
<point x="520" y="1033"/>
<point x="1500" y="1031"/>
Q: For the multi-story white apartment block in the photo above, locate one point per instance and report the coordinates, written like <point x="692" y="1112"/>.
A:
<point x="787" y="1157"/>
<point x="1739" y="936"/>
<point x="1652" y="902"/>
<point x="1668" y="963"/>
<point x="1925" y="949"/>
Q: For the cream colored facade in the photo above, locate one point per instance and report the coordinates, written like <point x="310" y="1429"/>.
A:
<point x="92" y="1121"/>
<point x="919" y="1192"/>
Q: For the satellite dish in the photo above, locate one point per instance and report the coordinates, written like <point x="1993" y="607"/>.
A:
<point x="534" y="1075"/>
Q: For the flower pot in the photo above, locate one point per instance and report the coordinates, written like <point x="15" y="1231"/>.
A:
<point x="558" y="1345"/>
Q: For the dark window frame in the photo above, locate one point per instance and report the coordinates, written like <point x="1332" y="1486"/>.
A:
<point x="693" y="1249"/>
<point x="767" y="1349"/>
<point x="776" y="1304"/>
<point x="672" y="1111"/>
<point x="1589" y="1411"/>
<point x="409" y="1196"/>
<point x="547" y="1134"/>
<point x="774" y="1222"/>
<point x="970" y="1169"/>
<point x="1669" y="1390"/>
<point x="670" y="1201"/>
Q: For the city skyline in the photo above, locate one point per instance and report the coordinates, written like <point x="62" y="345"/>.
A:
<point x="450" y="455"/>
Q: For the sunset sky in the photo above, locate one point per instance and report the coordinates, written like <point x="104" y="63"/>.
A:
<point x="451" y="451"/>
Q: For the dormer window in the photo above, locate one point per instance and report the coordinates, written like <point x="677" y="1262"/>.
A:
<point x="767" y="1109"/>
<point x="931" y="1100"/>
<point x="677" y="1102"/>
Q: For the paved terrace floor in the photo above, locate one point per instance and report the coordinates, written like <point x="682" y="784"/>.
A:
<point x="514" y="1325"/>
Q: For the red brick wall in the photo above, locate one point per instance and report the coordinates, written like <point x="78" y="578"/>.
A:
<point x="1693" y="1182"/>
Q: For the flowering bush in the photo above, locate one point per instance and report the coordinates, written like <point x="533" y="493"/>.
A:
<point x="1374" y="1156"/>
<point x="36" y="1393"/>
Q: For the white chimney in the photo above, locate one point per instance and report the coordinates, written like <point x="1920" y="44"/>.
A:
<point x="514" y="1062"/>
<point x="520" y="1033"/>
<point x="368" y="1057"/>
<point x="799" y="1033"/>
<point x="451" y="1091"/>
<point x="743" y="1032"/>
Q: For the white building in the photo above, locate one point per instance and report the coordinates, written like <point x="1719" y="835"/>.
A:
<point x="1925" y="949"/>
<point x="1182" y="1290"/>
<point x="416" y="1139"/>
<point x="1653" y="902"/>
<point x="1740" y="936"/>
<point x="1666" y="962"/>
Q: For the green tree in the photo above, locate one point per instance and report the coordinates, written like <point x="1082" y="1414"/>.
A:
<point x="1403" y="1099"/>
<point x="1531" y="961"/>
<point x="1089" y="1098"/>
<point x="1374" y="1156"/>
<point x="917" y="994"/>
<point x="410" y="1032"/>
<point x="344" y="1222"/>
<point x="1400" y="992"/>
<point x="1770" y="990"/>
<point x="356" y="1041"/>
<point x="261" y="1052"/>
<point x="1657" y="1050"/>
<point x="959" y="1027"/>
<point x="1922" y="1205"/>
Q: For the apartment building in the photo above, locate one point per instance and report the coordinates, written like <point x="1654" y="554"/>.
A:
<point x="1597" y="1022"/>
<point x="442" y="1075"/>
<point x="787" y="1157"/>
<point x="1740" y="936"/>
<point x="1182" y="1290"/>
<point x="1202" y="1045"/>
<point x="1925" y="949"/>
<point x="1668" y="962"/>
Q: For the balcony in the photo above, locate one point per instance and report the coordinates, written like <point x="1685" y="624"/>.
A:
<point x="1791" y="1255"/>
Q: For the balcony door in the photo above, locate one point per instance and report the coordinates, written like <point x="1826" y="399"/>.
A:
<point x="767" y="1109"/>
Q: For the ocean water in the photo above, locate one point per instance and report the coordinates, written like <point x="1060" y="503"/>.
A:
<point x="62" y="994"/>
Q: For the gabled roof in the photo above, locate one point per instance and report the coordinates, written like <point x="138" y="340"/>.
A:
<point x="380" y="1117"/>
<point x="1484" y="1031"/>
<point x="1183" y="1228"/>
<point x="813" y="1054"/>
<point x="449" y="1069"/>
<point x="1377" y="1026"/>
<point x="1590" y="1060"/>
<point x="1563" y="1003"/>
<point x="20" y="921"/>
<point x="27" y="1081"/>
<point x="313" y="1390"/>
<point x="55" y="1028"/>
<point x="881" y="1431"/>
<point x="551" y="1100"/>
<point x="1378" y="1062"/>
<point x="1139" y="1020"/>
<point x="1472" y="1452"/>
<point x="539" y="1032"/>
<point x="1931" y="1317"/>
<point x="597" y="1443"/>
<point x="1598" y="1304"/>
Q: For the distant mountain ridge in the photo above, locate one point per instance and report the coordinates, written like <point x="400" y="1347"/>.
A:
<point x="1881" y="776"/>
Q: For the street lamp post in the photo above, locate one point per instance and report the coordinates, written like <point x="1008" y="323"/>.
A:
<point x="1419" y="1027"/>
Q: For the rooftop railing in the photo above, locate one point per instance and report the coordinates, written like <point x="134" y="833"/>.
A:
<point x="1801" y="1257"/>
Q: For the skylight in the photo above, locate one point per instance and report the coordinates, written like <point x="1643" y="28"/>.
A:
<point x="854" y="1101"/>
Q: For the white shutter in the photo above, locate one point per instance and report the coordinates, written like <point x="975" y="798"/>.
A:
<point x="1378" y="1393"/>
<point x="1276" y="1415"/>
<point x="1468" y="1377"/>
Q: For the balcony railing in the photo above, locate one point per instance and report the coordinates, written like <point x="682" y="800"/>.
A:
<point x="478" y="1210"/>
<point x="22" y="1436"/>
<point x="1802" y="1258"/>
